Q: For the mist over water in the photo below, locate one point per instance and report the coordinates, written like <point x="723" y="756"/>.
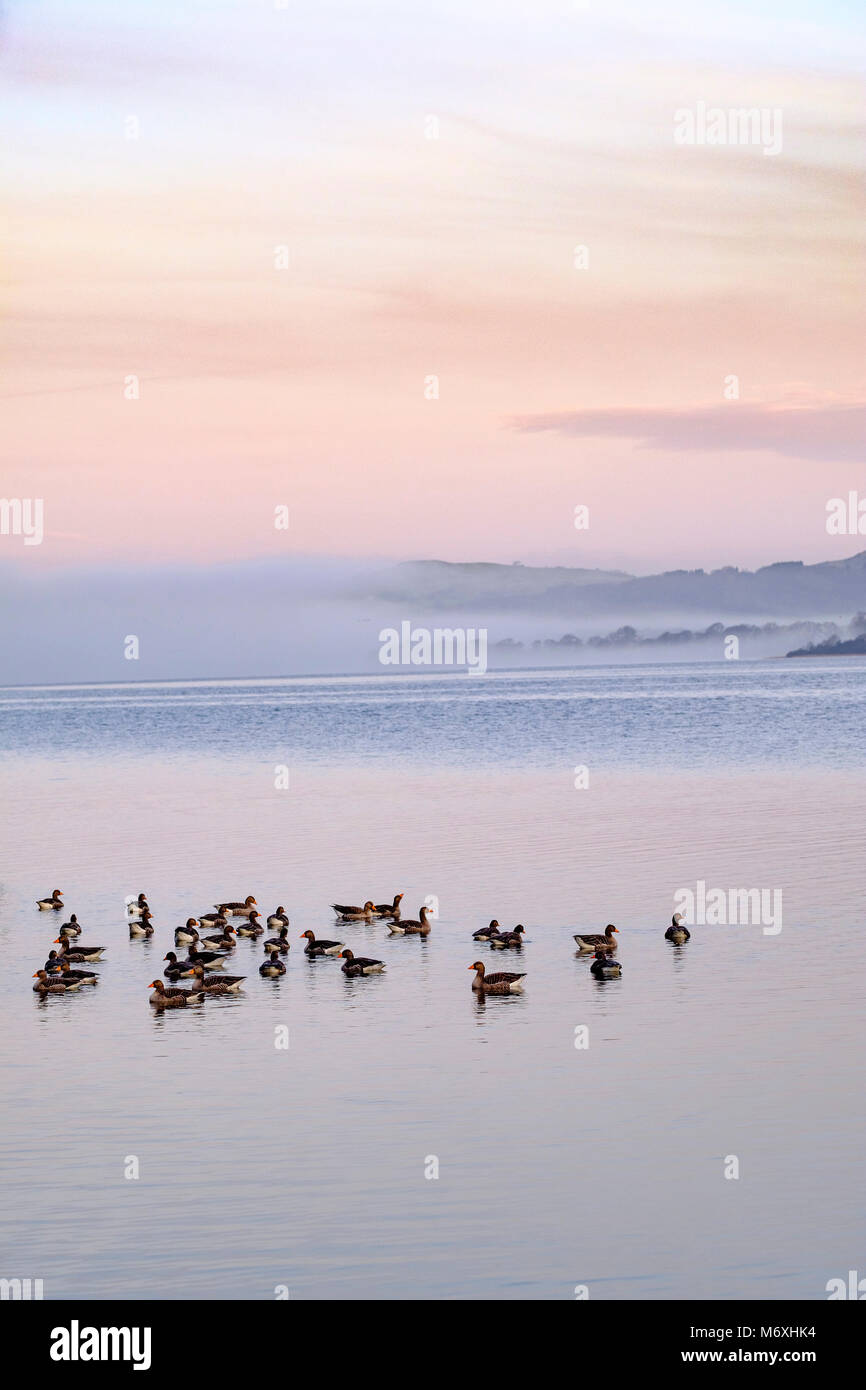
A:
<point x="259" y="618"/>
<point x="306" y="615"/>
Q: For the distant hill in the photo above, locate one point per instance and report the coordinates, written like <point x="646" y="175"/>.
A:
<point x="445" y="584"/>
<point x="833" y="647"/>
<point x="786" y="589"/>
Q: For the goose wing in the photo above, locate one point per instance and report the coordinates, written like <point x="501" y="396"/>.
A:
<point x="503" y="977"/>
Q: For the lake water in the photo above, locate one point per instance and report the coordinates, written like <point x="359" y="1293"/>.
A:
<point x="558" y="1166"/>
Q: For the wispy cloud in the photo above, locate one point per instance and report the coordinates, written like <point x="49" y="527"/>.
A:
<point x="419" y="251"/>
<point x="818" y="432"/>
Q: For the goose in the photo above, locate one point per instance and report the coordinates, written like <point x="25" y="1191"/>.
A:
<point x="84" y="977"/>
<point x="360" y="965"/>
<point x="354" y="914"/>
<point x="279" y="943"/>
<point x="341" y="908"/>
<point x="237" y="909"/>
<point x="389" y="909"/>
<point x="272" y="966"/>
<point x="278" y="918"/>
<point x="487" y="932"/>
<point x="603" y="968"/>
<point x="161" y="1002"/>
<point x="52" y="903"/>
<point x="46" y="984"/>
<point x="397" y="927"/>
<point x="676" y="932"/>
<point x="503" y="940"/>
<point x="320" y="948"/>
<point x="71" y="928"/>
<point x="176" y="968"/>
<point x="213" y="919"/>
<point x="140" y="926"/>
<point x="593" y="942"/>
<point x="163" y="998"/>
<point x="216" y="984"/>
<point x="500" y="982"/>
<point x="184" y="936"/>
<point x="88" y="953"/>
<point x="211" y="960"/>
<point x="135" y="909"/>
<point x="56" y="964"/>
<point x="224" y="942"/>
<point x="253" y="927"/>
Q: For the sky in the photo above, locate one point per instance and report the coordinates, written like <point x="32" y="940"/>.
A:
<point x="430" y="169"/>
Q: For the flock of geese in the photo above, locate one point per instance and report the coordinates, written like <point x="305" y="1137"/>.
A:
<point x="208" y="949"/>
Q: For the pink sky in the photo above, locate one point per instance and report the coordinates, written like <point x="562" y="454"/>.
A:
<point x="410" y="257"/>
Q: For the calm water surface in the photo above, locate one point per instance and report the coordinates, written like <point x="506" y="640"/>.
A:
<point x="557" y="1166"/>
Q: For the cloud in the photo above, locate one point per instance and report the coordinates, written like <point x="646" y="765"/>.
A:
<point x="820" y="432"/>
